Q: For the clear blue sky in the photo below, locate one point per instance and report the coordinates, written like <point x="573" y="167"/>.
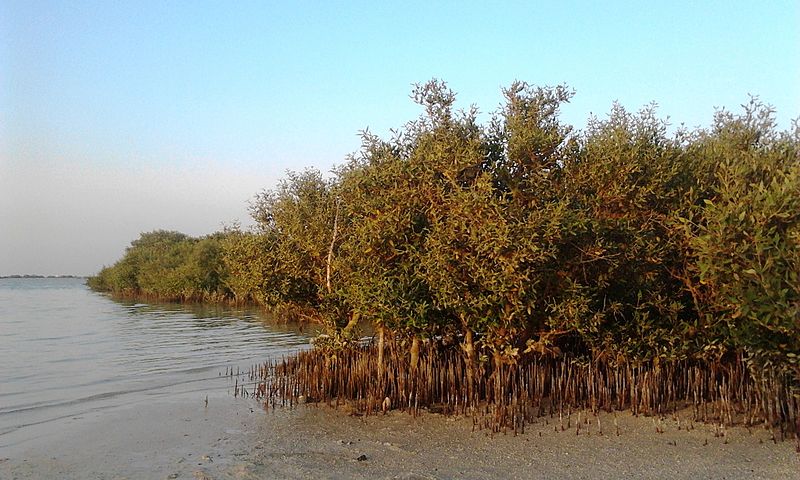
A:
<point x="120" y="117"/>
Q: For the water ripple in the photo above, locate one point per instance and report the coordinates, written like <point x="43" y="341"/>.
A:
<point x="65" y="350"/>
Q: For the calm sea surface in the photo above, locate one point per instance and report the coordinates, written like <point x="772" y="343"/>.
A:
<point x="67" y="353"/>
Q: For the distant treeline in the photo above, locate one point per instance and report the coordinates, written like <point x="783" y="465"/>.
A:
<point x="40" y="276"/>
<point x="523" y="236"/>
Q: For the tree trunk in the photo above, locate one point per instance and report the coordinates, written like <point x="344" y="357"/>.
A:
<point x="354" y="317"/>
<point x="381" y="348"/>
<point x="414" y="353"/>
<point x="469" y="349"/>
<point x="497" y="360"/>
<point x="329" y="260"/>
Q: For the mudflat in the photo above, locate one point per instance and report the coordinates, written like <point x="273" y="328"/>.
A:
<point x="236" y="439"/>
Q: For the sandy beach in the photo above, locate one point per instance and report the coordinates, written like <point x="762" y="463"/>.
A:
<point x="235" y="439"/>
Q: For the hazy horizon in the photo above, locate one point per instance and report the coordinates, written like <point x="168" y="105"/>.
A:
<point x="121" y="119"/>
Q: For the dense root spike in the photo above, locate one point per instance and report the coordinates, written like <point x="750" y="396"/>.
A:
<point x="374" y="378"/>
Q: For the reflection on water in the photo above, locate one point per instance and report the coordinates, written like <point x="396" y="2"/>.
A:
<point x="66" y="352"/>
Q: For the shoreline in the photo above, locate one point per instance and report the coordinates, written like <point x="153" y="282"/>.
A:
<point x="235" y="439"/>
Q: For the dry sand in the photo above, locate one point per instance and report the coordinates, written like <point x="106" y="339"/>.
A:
<point x="235" y="439"/>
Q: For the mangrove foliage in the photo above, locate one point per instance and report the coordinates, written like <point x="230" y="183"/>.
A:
<point x="518" y="240"/>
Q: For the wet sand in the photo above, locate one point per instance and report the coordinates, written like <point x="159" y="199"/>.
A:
<point x="235" y="439"/>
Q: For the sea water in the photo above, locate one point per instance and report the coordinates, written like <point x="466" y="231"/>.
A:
<point x="68" y="353"/>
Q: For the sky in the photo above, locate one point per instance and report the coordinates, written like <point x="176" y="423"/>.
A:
<point x="123" y="117"/>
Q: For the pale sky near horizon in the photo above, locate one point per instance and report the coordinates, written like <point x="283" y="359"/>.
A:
<point x="123" y="117"/>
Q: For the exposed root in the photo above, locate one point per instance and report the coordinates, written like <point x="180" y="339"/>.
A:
<point x="510" y="396"/>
